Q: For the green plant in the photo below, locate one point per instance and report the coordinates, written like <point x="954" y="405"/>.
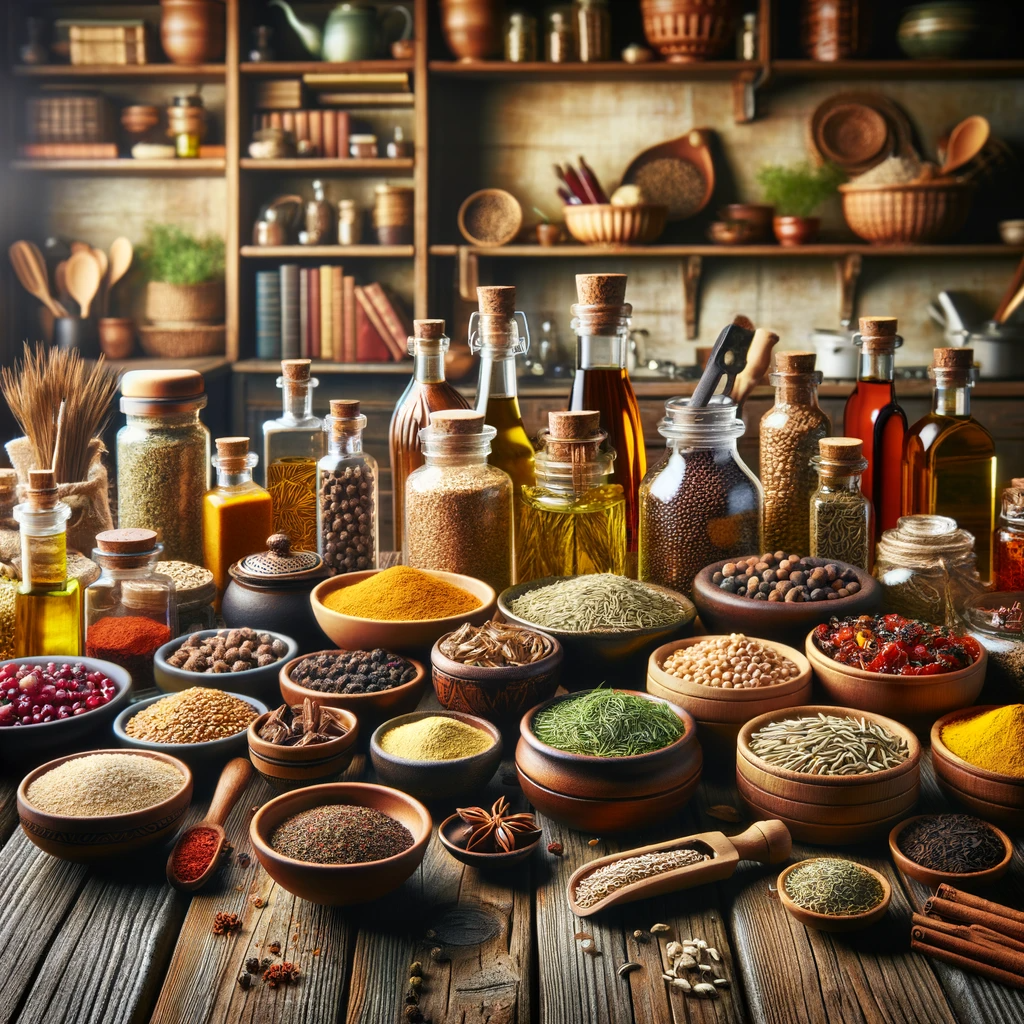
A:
<point x="176" y="257"/>
<point x="799" y="190"/>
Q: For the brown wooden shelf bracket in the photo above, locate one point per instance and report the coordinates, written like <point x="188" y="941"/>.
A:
<point x="692" y="267"/>
<point x="848" y="273"/>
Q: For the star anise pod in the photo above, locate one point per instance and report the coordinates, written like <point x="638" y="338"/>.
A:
<point x="496" y="827"/>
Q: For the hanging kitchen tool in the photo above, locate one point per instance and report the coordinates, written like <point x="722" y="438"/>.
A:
<point x="728" y="357"/>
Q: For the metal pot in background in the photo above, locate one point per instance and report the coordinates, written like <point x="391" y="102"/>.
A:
<point x="836" y="355"/>
<point x="998" y="348"/>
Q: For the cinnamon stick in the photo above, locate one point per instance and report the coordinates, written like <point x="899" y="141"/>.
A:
<point x="963" y="914"/>
<point x="966" y="964"/>
<point x="969" y="932"/>
<point x="999" y="957"/>
<point x="948" y="892"/>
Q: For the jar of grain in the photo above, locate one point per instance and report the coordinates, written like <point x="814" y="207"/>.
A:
<point x="790" y="432"/>
<point x="701" y="503"/>
<point x="458" y="509"/>
<point x="841" y="517"/>
<point x="350" y="224"/>
<point x="559" y="39"/>
<point x="520" y="37"/>
<point x="392" y="214"/>
<point x="592" y="22"/>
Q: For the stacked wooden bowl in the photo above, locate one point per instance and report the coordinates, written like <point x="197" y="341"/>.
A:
<point x="830" y="810"/>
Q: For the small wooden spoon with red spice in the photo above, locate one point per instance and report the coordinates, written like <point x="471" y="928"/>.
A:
<point x="197" y="853"/>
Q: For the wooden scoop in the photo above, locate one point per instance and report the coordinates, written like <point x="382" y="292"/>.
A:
<point x="230" y="787"/>
<point x="766" y="841"/>
<point x="966" y="141"/>
<point x="83" y="279"/>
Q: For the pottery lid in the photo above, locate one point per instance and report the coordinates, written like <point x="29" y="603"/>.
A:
<point x="279" y="563"/>
<point x="162" y="384"/>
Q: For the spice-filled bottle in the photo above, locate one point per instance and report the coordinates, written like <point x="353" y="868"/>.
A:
<point x="1008" y="542"/>
<point x="427" y="392"/>
<point x="163" y="459"/>
<point x="949" y="458"/>
<point x="293" y="444"/>
<point x="130" y="610"/>
<point x="347" y="534"/>
<point x="601" y="322"/>
<point x="873" y="414"/>
<point x="701" y="503"/>
<point x="48" y="605"/>
<point x="840" y="515"/>
<point x="458" y="508"/>
<point x="8" y="576"/>
<point x="790" y="432"/>
<point x="237" y="513"/>
<point x="573" y="522"/>
<point x="592" y="25"/>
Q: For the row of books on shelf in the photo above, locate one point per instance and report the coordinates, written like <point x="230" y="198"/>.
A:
<point x="326" y="131"/>
<point x="321" y="313"/>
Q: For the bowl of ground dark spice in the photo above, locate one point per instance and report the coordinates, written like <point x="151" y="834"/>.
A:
<point x="341" y="843"/>
<point x="958" y="849"/>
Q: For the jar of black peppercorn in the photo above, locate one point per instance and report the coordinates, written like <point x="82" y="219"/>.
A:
<point x="347" y="530"/>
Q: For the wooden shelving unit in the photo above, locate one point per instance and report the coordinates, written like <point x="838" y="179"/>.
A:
<point x="132" y="72"/>
<point x="341" y="252"/>
<point x="825" y="249"/>
<point x="200" y="167"/>
<point x="350" y="165"/>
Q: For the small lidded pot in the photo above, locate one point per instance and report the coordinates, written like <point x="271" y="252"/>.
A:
<point x="270" y="591"/>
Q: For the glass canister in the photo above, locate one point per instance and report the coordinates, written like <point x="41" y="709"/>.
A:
<point x="592" y="22"/>
<point x="194" y="594"/>
<point x="927" y="568"/>
<point x="458" y="508"/>
<point x="163" y="459"/>
<point x="520" y="37"/>
<point x="701" y="503"/>
<point x="350" y="223"/>
<point x="348" y="535"/>
<point x="559" y="38"/>
<point x="1008" y="542"/>
<point x="841" y="526"/>
<point x="130" y="610"/>
<point x="996" y="621"/>
<point x="186" y="124"/>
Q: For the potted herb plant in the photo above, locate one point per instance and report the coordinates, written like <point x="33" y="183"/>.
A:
<point x="796" y="192"/>
<point x="185" y="276"/>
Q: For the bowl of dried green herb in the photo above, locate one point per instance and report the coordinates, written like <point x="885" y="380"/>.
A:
<point x="833" y="894"/>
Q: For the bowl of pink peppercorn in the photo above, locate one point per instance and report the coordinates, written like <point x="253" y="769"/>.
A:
<point x="51" y="702"/>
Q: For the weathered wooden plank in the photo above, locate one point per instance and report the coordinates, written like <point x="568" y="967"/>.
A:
<point x="8" y="807"/>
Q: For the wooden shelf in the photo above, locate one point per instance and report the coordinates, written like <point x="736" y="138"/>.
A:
<point x="321" y="67"/>
<point x="374" y="252"/>
<point x="206" y="365"/>
<point x="909" y="69"/>
<point x="833" y="249"/>
<point x="345" y="166"/>
<point x="319" y="367"/>
<point x="494" y="69"/>
<point x="180" y="168"/>
<point x="162" y="72"/>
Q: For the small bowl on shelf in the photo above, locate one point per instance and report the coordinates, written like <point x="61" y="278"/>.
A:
<point x="490" y="217"/>
<point x="758" y="215"/>
<point x="289" y="767"/>
<point x="448" y="835"/>
<point x="608" y="224"/>
<point x="341" y="884"/>
<point x="932" y="877"/>
<point x="732" y="232"/>
<point x="834" y="922"/>
<point x="1012" y="232"/>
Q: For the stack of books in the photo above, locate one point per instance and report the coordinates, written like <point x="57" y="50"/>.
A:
<point x="327" y="131"/>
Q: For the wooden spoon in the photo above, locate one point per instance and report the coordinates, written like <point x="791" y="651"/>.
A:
<point x="1011" y="306"/>
<point x="233" y="780"/>
<point x="759" y="358"/>
<point x="1015" y="282"/>
<point x="121" y="253"/>
<point x="83" y="278"/>
<point x="30" y="269"/>
<point x="80" y="247"/>
<point x="104" y="264"/>
<point x="966" y="141"/>
<point x="766" y="841"/>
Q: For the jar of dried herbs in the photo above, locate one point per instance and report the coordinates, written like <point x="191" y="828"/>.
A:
<point x="841" y="516"/>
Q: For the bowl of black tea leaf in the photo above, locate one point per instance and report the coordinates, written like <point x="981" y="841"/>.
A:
<point x="957" y="849"/>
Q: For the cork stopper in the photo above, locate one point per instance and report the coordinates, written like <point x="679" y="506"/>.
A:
<point x="428" y="330"/>
<point x="232" y="453"/>
<point x="878" y="326"/>
<point x="601" y="289"/>
<point x="42" y="489"/>
<point x="345" y="418"/>
<point x="457" y="421"/>
<point x="794" y="362"/>
<point x="953" y="358"/>
<point x="162" y="384"/>
<point x="496" y="300"/>
<point x="296" y="370"/>
<point x="344" y="408"/>
<point x="126" y="542"/>
<point x="573" y="436"/>
<point x="841" y="449"/>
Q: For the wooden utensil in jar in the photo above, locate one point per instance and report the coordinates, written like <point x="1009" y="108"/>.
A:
<point x="83" y="278"/>
<point x="759" y="358"/>
<point x="30" y="269"/>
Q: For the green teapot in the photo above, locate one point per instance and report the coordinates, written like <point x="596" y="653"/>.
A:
<point x="352" y="31"/>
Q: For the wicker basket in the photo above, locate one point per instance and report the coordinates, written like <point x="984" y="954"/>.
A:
<point x="928" y="211"/>
<point x="685" y="30"/>
<point x="182" y="342"/>
<point x="604" y="224"/>
<point x="184" y="304"/>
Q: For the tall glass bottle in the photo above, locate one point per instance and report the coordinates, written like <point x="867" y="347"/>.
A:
<point x="573" y="522"/>
<point x="873" y="414"/>
<point x="48" y="605"/>
<point x="949" y="458"/>
<point x="427" y="392"/>
<point x="292" y="446"/>
<point x="601" y="322"/>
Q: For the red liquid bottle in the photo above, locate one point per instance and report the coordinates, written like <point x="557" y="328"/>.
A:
<point x="873" y="415"/>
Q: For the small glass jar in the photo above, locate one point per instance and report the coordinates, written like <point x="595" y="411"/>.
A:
<point x="318" y="216"/>
<point x="186" y="124"/>
<point x="841" y="526"/>
<point x="592" y="22"/>
<point x="348" y="535"/>
<point x="399" y="146"/>
<point x="130" y="610"/>
<point x="350" y="224"/>
<point x="362" y="147"/>
<point x="701" y="503"/>
<point x="194" y="594"/>
<point x="520" y="38"/>
<point x="1008" y="542"/>
<point x="559" y="38"/>
<point x="746" y="37"/>
<point x="458" y="509"/>
<point x="996" y="621"/>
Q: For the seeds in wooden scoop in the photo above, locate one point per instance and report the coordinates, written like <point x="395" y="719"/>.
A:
<point x="603" y="881"/>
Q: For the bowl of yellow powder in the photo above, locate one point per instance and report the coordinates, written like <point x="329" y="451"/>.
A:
<point x="978" y="756"/>
<point x="399" y="609"/>
<point x="436" y="754"/>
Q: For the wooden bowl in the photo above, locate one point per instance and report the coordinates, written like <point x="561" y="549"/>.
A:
<point x="908" y="699"/>
<point x="689" y="30"/>
<point x="289" y="767"/>
<point x="694" y="149"/>
<point x="341" y="884"/>
<point x="920" y="212"/>
<point x="934" y="878"/>
<point x="481" y="861"/>
<point x="853" y="135"/>
<point x="732" y="232"/>
<point x="117" y="336"/>
<point x="108" y="837"/>
<point x="436" y="780"/>
<point x="605" y="224"/>
<point x="497" y="694"/>
<point x="758" y="215"/>
<point x="417" y="636"/>
<point x="139" y="118"/>
<point x="833" y="922"/>
<point x="504" y="225"/>
<point x="721" y="612"/>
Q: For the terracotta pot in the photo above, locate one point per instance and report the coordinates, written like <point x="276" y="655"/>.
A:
<point x="117" y="336"/>
<point x="685" y="30"/>
<point x="185" y="303"/>
<point x="549" y="234"/>
<point x="472" y="28"/>
<point x="796" y="230"/>
<point x="835" y="29"/>
<point x="192" y="31"/>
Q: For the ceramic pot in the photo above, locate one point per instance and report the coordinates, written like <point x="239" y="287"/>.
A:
<point x="472" y="28"/>
<point x="795" y="230"/>
<point x="686" y="30"/>
<point x="549" y="234"/>
<point x="835" y="29"/>
<point x="757" y="215"/>
<point x="192" y="31"/>
<point x="941" y="30"/>
<point x="117" y="336"/>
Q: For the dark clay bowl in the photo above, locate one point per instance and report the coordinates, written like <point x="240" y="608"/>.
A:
<point x="446" y="832"/>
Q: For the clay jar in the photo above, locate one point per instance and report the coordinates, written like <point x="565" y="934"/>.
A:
<point x="472" y="28"/>
<point x="796" y="230"/>
<point x="192" y="31"/>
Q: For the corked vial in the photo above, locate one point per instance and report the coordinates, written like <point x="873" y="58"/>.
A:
<point x="601" y="308"/>
<point x="841" y="516"/>
<point x="878" y="334"/>
<point x="495" y="324"/>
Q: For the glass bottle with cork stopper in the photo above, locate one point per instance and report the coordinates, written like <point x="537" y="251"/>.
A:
<point x="573" y="522"/>
<point x="949" y="458"/>
<point x="237" y="512"/>
<point x="293" y="444"/>
<point x="840" y="515"/>
<point x="601" y="322"/>
<point x="48" y="605"/>
<point x="1008" y="540"/>
<point x="348" y="537"/>
<point x="130" y="610"/>
<point x="458" y="508"/>
<point x="873" y="415"/>
<point x="790" y="432"/>
<point x="427" y="392"/>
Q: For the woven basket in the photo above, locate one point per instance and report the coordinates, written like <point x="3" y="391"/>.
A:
<point x="685" y="30"/>
<point x="182" y="304"/>
<point x="929" y="211"/>
<point x="182" y="342"/>
<point x="604" y="224"/>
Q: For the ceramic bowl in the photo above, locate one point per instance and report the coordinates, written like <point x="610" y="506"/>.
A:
<point x="497" y="694"/>
<point x="758" y="215"/>
<point x="1012" y="232"/>
<point x="732" y="232"/>
<point x="23" y="740"/>
<point x="202" y="758"/>
<point x="108" y="837"/>
<point x="605" y="224"/>
<point x="436" y="780"/>
<point x="415" y="637"/>
<point x="289" y="767"/>
<point x="446" y="832"/>
<point x="834" y="922"/>
<point x="722" y="612"/>
<point x="996" y="798"/>
<point x="260" y="683"/>
<point x="603" y="655"/>
<point x="341" y="884"/>
<point x="933" y="878"/>
<point x="908" y="699"/>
